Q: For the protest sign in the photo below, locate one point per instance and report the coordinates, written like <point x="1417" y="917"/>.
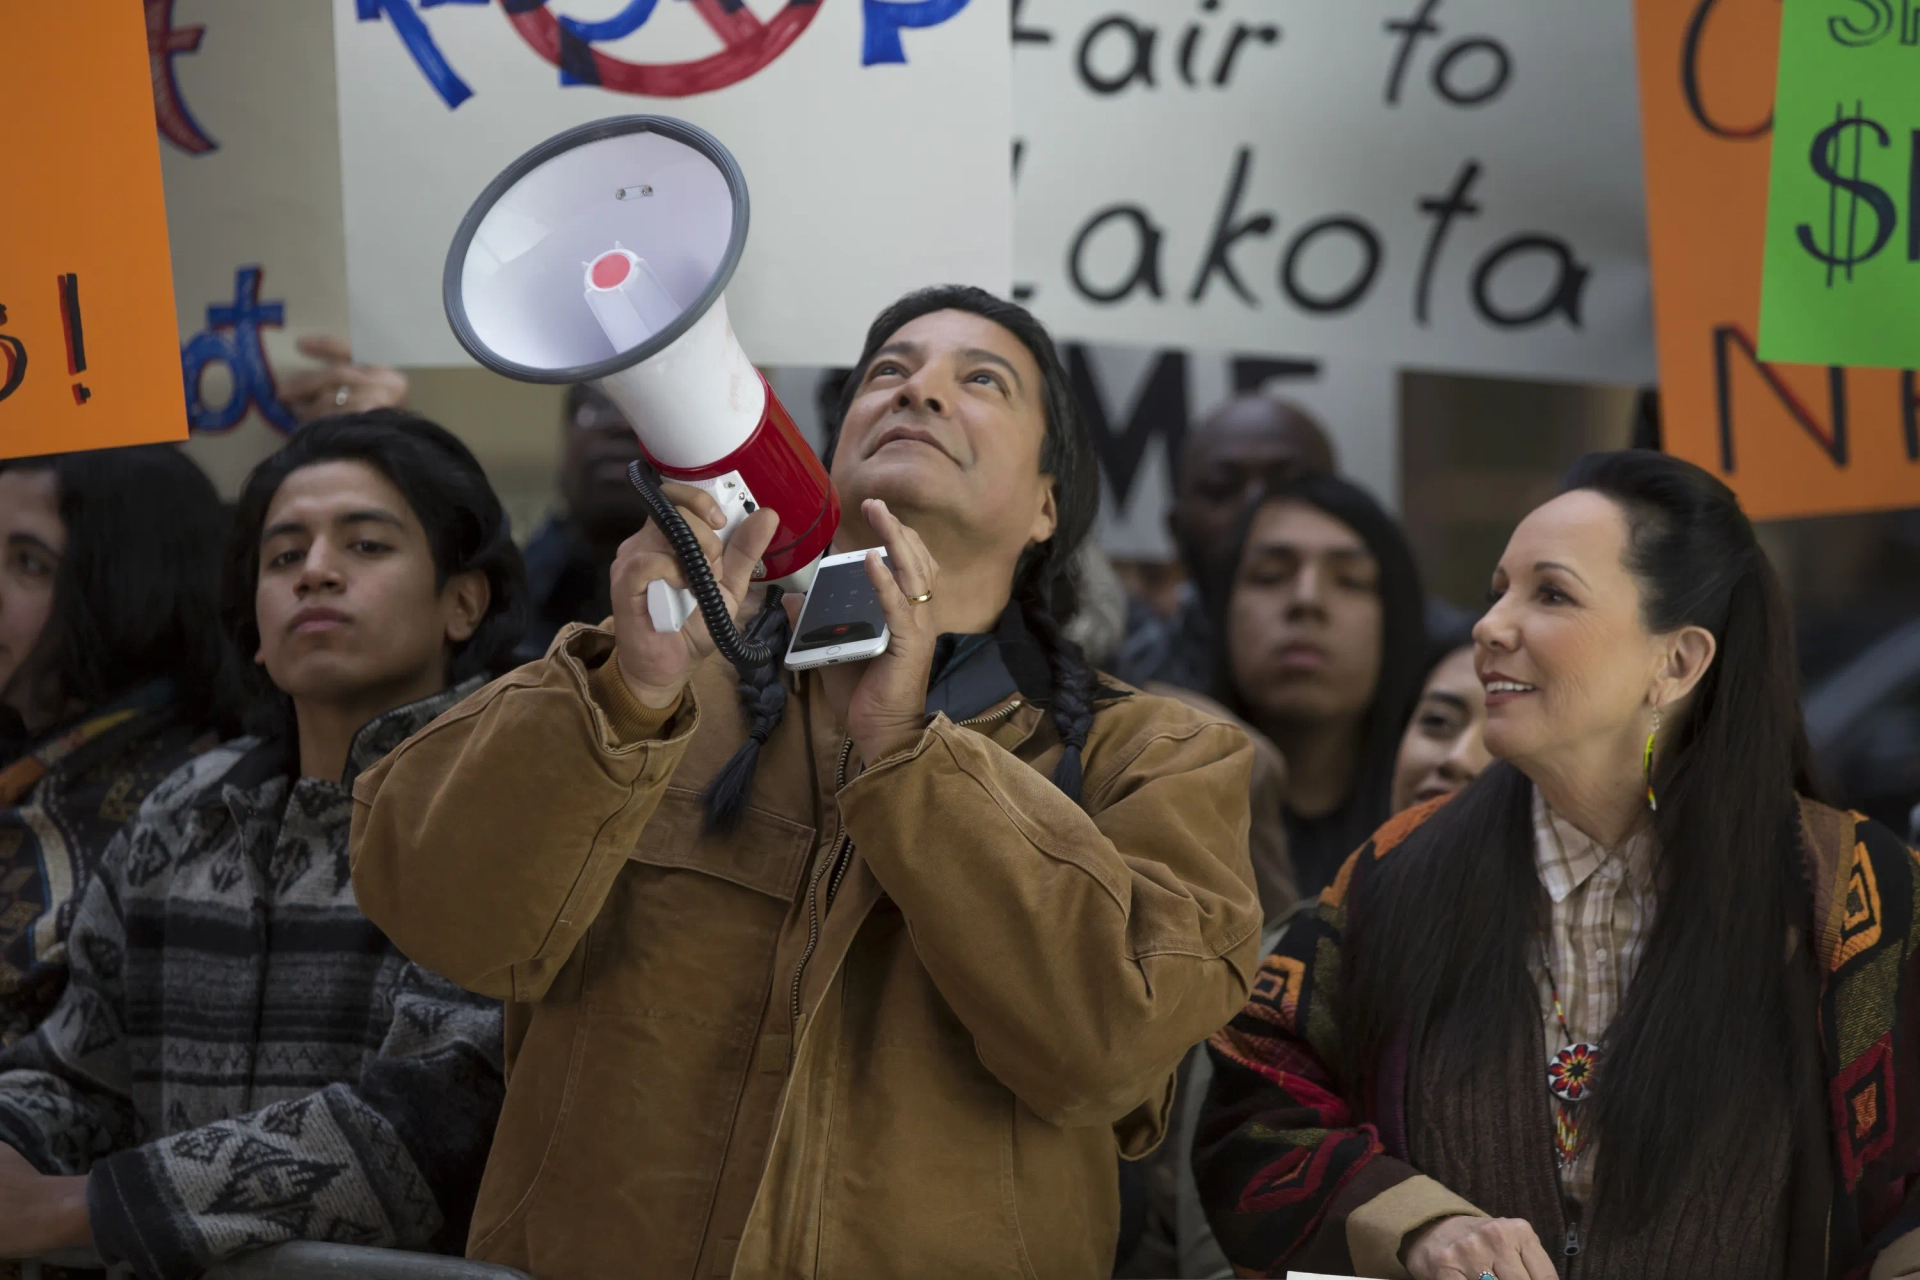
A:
<point x="1447" y="184"/>
<point x="243" y="95"/>
<point x="1791" y="440"/>
<point x="1842" y="282"/>
<point x="873" y="137"/>
<point x="87" y="355"/>
<point x="1140" y="405"/>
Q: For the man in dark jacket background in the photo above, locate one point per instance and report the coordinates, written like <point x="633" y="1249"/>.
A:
<point x="570" y="555"/>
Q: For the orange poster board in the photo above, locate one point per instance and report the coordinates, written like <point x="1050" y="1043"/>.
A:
<point x="1792" y="440"/>
<point x="89" y="343"/>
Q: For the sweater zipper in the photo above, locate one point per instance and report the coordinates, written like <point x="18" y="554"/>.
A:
<point x="835" y="867"/>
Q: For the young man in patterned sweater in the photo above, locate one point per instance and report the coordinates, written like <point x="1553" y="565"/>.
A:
<point x="241" y="1057"/>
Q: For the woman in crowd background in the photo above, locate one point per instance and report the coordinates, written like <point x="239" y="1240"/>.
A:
<point x="1445" y="745"/>
<point x="1323" y="639"/>
<point x="1639" y="920"/>
<point x="114" y="674"/>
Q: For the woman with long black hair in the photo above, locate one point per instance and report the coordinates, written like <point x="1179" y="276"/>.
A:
<point x="113" y="673"/>
<point x="1318" y="614"/>
<point x="1632" y="1004"/>
<point x="892" y="995"/>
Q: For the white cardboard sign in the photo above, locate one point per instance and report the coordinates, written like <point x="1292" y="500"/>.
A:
<point x="1450" y="184"/>
<point x="249" y="150"/>
<point x="873" y="137"/>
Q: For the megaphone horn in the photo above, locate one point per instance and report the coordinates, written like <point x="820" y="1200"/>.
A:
<point x="603" y="256"/>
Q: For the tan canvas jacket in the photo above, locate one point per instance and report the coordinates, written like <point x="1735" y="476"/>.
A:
<point x="897" y="1026"/>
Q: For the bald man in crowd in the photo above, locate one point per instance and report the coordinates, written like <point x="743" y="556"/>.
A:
<point x="1252" y="441"/>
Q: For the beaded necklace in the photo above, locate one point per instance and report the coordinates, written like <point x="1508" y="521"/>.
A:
<point x="1570" y="1078"/>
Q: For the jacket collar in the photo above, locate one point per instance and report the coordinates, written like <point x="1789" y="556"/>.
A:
<point x="274" y="759"/>
<point x="84" y="739"/>
<point x="85" y="729"/>
<point x="1837" y="869"/>
<point x="380" y="735"/>
<point x="975" y="673"/>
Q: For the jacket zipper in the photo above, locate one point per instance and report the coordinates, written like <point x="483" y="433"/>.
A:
<point x="992" y="717"/>
<point x="835" y="864"/>
<point x="835" y="868"/>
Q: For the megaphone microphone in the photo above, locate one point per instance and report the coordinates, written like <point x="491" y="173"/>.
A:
<point x="602" y="256"/>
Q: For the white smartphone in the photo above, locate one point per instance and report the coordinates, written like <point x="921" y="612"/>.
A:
<point x="841" y="620"/>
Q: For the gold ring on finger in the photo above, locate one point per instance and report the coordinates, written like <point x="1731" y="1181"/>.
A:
<point x="922" y="598"/>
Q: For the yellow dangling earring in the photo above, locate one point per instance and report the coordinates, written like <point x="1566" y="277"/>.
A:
<point x="1652" y="803"/>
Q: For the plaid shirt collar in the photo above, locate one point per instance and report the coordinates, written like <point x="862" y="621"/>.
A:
<point x="1568" y="857"/>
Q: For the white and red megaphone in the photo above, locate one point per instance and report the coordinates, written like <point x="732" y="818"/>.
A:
<point x="601" y="256"/>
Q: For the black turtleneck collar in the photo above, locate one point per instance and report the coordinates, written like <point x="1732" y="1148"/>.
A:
<point x="973" y="673"/>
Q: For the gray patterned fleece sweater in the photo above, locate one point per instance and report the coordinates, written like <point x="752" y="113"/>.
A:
<point x="241" y="1057"/>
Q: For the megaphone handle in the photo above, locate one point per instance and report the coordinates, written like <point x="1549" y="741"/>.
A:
<point x="669" y="607"/>
<point x="747" y="655"/>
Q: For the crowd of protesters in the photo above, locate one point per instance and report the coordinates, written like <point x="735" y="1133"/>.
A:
<point x="372" y="879"/>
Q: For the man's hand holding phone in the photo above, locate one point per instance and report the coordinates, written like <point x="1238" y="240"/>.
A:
<point x="883" y="703"/>
<point x="657" y="664"/>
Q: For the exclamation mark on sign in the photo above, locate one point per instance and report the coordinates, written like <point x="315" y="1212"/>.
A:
<point x="76" y="337"/>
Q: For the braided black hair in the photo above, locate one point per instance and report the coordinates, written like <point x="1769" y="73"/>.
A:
<point x="1074" y="686"/>
<point x="763" y="695"/>
<point x="1043" y="586"/>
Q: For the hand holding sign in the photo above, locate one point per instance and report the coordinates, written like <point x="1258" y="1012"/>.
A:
<point x="88" y="353"/>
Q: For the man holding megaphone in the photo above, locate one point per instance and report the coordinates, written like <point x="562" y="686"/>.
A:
<point x="868" y="970"/>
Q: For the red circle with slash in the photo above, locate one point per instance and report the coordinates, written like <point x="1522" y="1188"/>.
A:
<point x="751" y="45"/>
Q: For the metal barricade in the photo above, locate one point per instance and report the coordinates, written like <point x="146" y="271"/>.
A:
<point x="304" y="1260"/>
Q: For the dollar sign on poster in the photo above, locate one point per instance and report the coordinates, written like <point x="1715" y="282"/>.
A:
<point x="1842" y="250"/>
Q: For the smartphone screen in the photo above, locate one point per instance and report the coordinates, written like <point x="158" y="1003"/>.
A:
<point x="841" y="608"/>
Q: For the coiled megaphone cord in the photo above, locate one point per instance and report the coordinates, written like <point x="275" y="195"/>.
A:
<point x="746" y="655"/>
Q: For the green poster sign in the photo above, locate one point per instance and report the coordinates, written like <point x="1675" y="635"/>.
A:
<point x="1841" y="281"/>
